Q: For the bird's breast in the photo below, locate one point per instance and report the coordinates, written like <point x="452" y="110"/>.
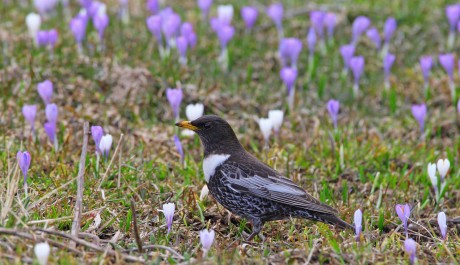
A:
<point x="211" y="162"/>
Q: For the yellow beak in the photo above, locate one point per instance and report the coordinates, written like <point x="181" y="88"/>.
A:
<point x="187" y="125"/>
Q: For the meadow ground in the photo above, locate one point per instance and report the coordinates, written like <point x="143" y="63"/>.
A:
<point x="374" y="160"/>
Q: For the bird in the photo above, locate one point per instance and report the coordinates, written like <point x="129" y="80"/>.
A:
<point x="248" y="187"/>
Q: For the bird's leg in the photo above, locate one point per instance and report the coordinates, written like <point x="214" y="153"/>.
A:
<point x="256" y="227"/>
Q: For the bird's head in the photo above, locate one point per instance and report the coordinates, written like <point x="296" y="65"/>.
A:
<point x="215" y="133"/>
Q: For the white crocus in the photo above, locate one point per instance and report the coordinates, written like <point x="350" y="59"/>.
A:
<point x="105" y="144"/>
<point x="225" y="13"/>
<point x="206" y="239"/>
<point x="432" y="174"/>
<point x="442" y="222"/>
<point x="276" y="116"/>
<point x="33" y="22"/>
<point x="168" y="211"/>
<point x="204" y="192"/>
<point x="266" y="126"/>
<point x="443" y="167"/>
<point x="194" y="111"/>
<point x="42" y="252"/>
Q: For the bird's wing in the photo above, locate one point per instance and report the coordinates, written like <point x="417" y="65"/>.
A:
<point x="262" y="181"/>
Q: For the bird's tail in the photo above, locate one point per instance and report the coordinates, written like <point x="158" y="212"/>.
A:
<point x="334" y="220"/>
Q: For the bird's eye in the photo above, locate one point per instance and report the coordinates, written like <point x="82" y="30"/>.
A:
<point x="207" y="125"/>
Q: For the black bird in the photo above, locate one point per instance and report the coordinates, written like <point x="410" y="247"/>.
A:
<point x="246" y="186"/>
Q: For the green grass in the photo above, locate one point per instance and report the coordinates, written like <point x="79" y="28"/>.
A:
<point x="384" y="160"/>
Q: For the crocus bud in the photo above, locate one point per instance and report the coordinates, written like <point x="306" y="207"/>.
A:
<point x="170" y="26"/>
<point x="194" y="111"/>
<point x="419" y="113"/>
<point x="97" y="132"/>
<point x="52" y="37"/>
<point x="249" y="15"/>
<point x="186" y="30"/>
<point x="426" y="62"/>
<point x="330" y="20"/>
<point x="311" y="41"/>
<point x="33" y="22"/>
<point x="168" y="211"/>
<point x="447" y="61"/>
<point x="30" y="112"/>
<point x="388" y="61"/>
<point x="347" y="52"/>
<point x="411" y="248"/>
<point x="45" y="6"/>
<point x="179" y="148"/>
<point x="317" y="21"/>
<point x="24" y="163"/>
<point x="357" y="68"/>
<point x="389" y="29"/>
<point x="276" y="116"/>
<point x="204" y="192"/>
<point x="360" y="25"/>
<point x="153" y="6"/>
<point x="51" y="112"/>
<point x="206" y="239"/>
<point x="105" y="144"/>
<point x="42" y="252"/>
<point x="174" y="97"/>
<point x="205" y="6"/>
<point x="288" y="75"/>
<point x="42" y="38"/>
<point x="374" y="35"/>
<point x="432" y="175"/>
<point x="289" y="50"/>
<point x="442" y="222"/>
<point x="45" y="90"/>
<point x="403" y="212"/>
<point x="154" y="26"/>
<point x="443" y="167"/>
<point x="275" y="12"/>
<point x="453" y="15"/>
<point x="333" y="107"/>
<point x="181" y="44"/>
<point x="78" y="28"/>
<point x="265" y="126"/>
<point x="100" y="22"/>
<point x="358" y="218"/>
<point x="225" y="14"/>
<point x="50" y="130"/>
<point x="225" y="34"/>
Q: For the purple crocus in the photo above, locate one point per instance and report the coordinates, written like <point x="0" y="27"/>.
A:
<point x="275" y="12"/>
<point x="419" y="113"/>
<point x="374" y="35"/>
<point x="330" y="20"/>
<point x="289" y="50"/>
<point x="411" y="249"/>
<point x="403" y="212"/>
<point x="426" y="62"/>
<point x="188" y="32"/>
<point x="442" y="222"/>
<point x="153" y="6"/>
<point x="447" y="61"/>
<point x="154" y="26"/>
<point x="288" y="75"/>
<point x="347" y="52"/>
<point x="45" y="90"/>
<point x="453" y="15"/>
<point x="50" y="130"/>
<point x="388" y="61"/>
<point x="360" y="25"/>
<point x="42" y="38"/>
<point x="311" y="41"/>
<point x="225" y="34"/>
<point x="170" y="27"/>
<point x="174" y="97"/>
<point x="179" y="148"/>
<point x="100" y="22"/>
<point x="333" y="107"/>
<point x="357" y="68"/>
<point x="317" y="20"/>
<point x="97" y="132"/>
<point x="45" y="6"/>
<point x="205" y="6"/>
<point x="52" y="37"/>
<point x="182" y="44"/>
<point x="24" y="164"/>
<point x="51" y="112"/>
<point x="78" y="28"/>
<point x="30" y="112"/>
<point x="249" y="15"/>
<point x="358" y="218"/>
<point x="389" y="29"/>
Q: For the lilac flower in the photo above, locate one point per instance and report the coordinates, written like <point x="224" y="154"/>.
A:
<point x="311" y="41"/>
<point x="411" y="248"/>
<point x="153" y="6"/>
<point x="97" y="132"/>
<point x="206" y="239"/>
<point x="249" y="15"/>
<point x="78" y="28"/>
<point x="357" y="67"/>
<point x="105" y="144"/>
<point x="442" y="222"/>
<point x="360" y="24"/>
<point x="333" y="107"/>
<point x="205" y="6"/>
<point x="389" y="29"/>
<point x="24" y="164"/>
<point x="225" y="34"/>
<point x="330" y="20"/>
<point x="288" y="75"/>
<point x="453" y="15"/>
<point x="358" y="217"/>
<point x="374" y="35"/>
<point x="154" y="26"/>
<point x="426" y="62"/>
<point x="317" y="20"/>
<point x="289" y="50"/>
<point x="179" y="148"/>
<point x="42" y="38"/>
<point x="51" y="112"/>
<point x="30" y="112"/>
<point x="174" y="97"/>
<point x="45" y="90"/>
<point x="101" y="21"/>
<point x="447" y="61"/>
<point x="50" y="130"/>
<point x="181" y="44"/>
<point x="419" y="113"/>
<point x="388" y="61"/>
<point x="168" y="211"/>
<point x="347" y="52"/>
<point x="403" y="212"/>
